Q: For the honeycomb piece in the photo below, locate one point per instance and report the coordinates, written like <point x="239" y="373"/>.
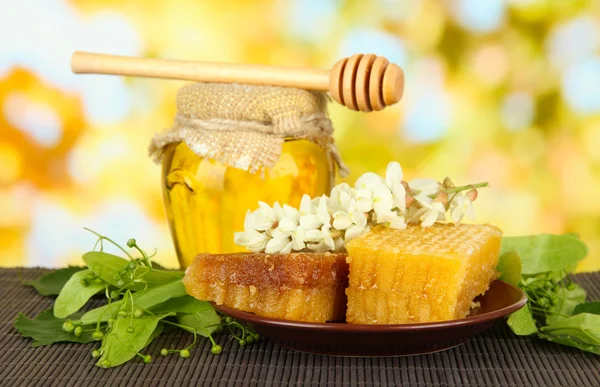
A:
<point x="420" y="274"/>
<point x="299" y="286"/>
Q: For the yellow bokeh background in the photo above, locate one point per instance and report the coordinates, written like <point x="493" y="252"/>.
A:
<point x="504" y="91"/>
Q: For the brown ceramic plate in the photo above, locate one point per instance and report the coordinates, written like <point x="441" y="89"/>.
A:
<point x="341" y="339"/>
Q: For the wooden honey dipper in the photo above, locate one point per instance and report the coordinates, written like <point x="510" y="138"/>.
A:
<point x="361" y="82"/>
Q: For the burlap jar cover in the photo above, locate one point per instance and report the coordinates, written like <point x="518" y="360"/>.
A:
<point x="244" y="126"/>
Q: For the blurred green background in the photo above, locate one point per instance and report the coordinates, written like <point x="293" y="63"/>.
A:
<point x="504" y="91"/>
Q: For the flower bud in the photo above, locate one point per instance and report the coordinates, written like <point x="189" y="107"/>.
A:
<point x="184" y="353"/>
<point x="68" y="326"/>
<point x="130" y="242"/>
<point x="442" y="197"/>
<point x="472" y="194"/>
<point x="448" y="183"/>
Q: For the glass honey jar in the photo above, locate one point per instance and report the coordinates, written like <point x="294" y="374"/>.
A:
<point x="206" y="202"/>
<point x="232" y="146"/>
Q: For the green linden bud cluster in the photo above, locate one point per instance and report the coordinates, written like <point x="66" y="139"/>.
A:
<point x="127" y="312"/>
<point x="91" y="278"/>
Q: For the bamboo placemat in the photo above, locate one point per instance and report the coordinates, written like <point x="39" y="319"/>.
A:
<point x="494" y="358"/>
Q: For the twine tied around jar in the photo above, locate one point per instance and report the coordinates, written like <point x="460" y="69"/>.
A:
<point x="245" y="126"/>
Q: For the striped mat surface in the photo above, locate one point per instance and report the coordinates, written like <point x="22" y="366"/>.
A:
<point x="493" y="358"/>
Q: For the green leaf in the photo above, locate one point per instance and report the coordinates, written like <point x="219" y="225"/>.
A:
<point x="203" y="322"/>
<point x="581" y="331"/>
<point x="144" y="299"/>
<point x="185" y="304"/>
<point x="572" y="342"/>
<point x="509" y="267"/>
<point x="156" y="277"/>
<point x="105" y="265"/>
<point x="46" y="329"/>
<point x="522" y="323"/>
<point x="108" y="267"/>
<point x="566" y="302"/>
<point x="74" y="294"/>
<point x="157" y="332"/>
<point x="50" y="284"/>
<point x="119" y="346"/>
<point x="588" y="307"/>
<point x="545" y="252"/>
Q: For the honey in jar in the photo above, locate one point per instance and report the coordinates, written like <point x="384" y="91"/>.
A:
<point x="206" y="202"/>
<point x="233" y="146"/>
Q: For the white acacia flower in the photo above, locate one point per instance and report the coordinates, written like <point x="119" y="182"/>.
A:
<point x="291" y="213"/>
<point x="364" y="199"/>
<point x="323" y="211"/>
<point x="383" y="202"/>
<point x="342" y="220"/>
<point x="377" y="196"/>
<point x="264" y="218"/>
<point x="323" y="240"/>
<point x="299" y="238"/>
<point x="328" y="240"/>
<point x="340" y="198"/>
<point x="279" y="245"/>
<point x="424" y="186"/>
<point x="393" y="174"/>
<point x="461" y="206"/>
<point x="319" y="217"/>
<point x="306" y="206"/>
<point x="393" y="220"/>
<point x="355" y="231"/>
<point x="308" y="213"/>
<point x="433" y="210"/>
<point x="251" y="239"/>
<point x="326" y="223"/>
<point x="393" y="180"/>
<point x="368" y="180"/>
<point x="288" y="227"/>
<point x="353" y="221"/>
<point x="320" y="240"/>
